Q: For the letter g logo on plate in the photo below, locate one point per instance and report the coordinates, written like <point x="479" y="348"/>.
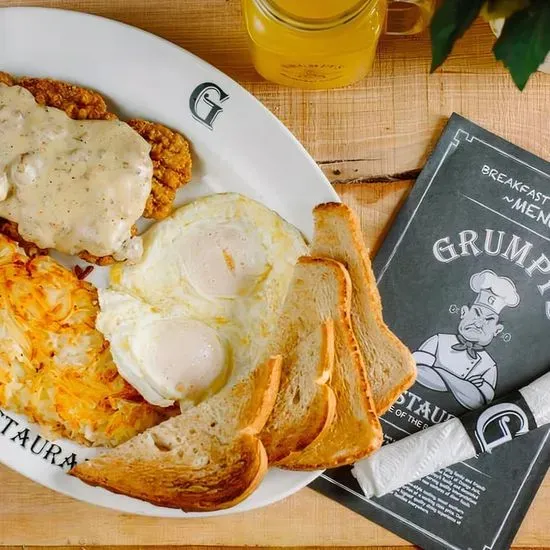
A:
<point x="204" y="103"/>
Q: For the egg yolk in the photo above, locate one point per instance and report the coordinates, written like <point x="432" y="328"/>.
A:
<point x="223" y="260"/>
<point x="183" y="359"/>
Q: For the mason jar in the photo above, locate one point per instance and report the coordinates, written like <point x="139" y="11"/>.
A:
<point x="325" y="43"/>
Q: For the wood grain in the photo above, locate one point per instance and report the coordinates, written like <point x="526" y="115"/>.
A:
<point x="33" y="515"/>
<point x="156" y="547"/>
<point x="381" y="128"/>
<point x="388" y="122"/>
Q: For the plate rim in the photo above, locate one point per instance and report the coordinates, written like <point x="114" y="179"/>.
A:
<point x="308" y="477"/>
<point x="198" y="60"/>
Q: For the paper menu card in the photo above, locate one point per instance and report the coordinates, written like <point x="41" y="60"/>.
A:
<point x="464" y="276"/>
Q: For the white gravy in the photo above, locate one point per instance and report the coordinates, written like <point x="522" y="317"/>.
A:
<point x="72" y="185"/>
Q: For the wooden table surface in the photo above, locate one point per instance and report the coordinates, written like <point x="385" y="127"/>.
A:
<point x="370" y="139"/>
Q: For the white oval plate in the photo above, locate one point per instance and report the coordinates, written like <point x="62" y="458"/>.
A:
<point x="238" y="145"/>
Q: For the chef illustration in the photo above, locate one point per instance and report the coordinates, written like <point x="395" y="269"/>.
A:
<point x="459" y="363"/>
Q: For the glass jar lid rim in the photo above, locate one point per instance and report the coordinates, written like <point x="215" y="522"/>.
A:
<point x="272" y="9"/>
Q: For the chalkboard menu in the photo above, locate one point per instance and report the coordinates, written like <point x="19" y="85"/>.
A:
<point x="464" y="276"/>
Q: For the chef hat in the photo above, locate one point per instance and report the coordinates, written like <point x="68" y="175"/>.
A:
<point x="493" y="291"/>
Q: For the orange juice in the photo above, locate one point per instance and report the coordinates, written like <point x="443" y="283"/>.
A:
<point x="317" y="9"/>
<point x="314" y="43"/>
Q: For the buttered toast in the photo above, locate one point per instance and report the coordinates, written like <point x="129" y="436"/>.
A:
<point x="305" y="404"/>
<point x="309" y="406"/>
<point x="355" y="431"/>
<point x="208" y="458"/>
<point x="390" y="366"/>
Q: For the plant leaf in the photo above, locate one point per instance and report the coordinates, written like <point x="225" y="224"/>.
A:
<point x="449" y="23"/>
<point x="497" y="9"/>
<point x="525" y="41"/>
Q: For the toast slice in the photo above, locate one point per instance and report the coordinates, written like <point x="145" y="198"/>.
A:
<point x="305" y="404"/>
<point x="208" y="458"/>
<point x="390" y="366"/>
<point x="355" y="431"/>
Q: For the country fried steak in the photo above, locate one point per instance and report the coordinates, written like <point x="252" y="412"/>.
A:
<point x="170" y="151"/>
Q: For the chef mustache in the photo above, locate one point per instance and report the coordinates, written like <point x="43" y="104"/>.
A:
<point x="473" y="326"/>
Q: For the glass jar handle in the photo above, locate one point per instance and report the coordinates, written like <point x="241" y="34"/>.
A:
<point x="407" y="17"/>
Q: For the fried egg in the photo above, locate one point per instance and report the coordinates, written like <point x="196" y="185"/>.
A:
<point x="197" y="309"/>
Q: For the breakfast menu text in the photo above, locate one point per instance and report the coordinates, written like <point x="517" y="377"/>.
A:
<point x="464" y="277"/>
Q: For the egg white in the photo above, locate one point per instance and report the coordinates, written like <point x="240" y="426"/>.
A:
<point x="222" y="263"/>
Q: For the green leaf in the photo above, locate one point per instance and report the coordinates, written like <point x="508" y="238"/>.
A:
<point x="497" y="9"/>
<point x="525" y="41"/>
<point x="449" y="23"/>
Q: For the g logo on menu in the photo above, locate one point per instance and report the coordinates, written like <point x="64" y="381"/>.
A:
<point x="205" y="101"/>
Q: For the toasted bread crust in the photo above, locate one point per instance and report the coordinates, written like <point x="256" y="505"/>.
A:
<point x="170" y="152"/>
<point x="326" y="417"/>
<point x="306" y="405"/>
<point x="260" y="403"/>
<point x="161" y="472"/>
<point x="355" y="431"/>
<point x="172" y="486"/>
<point x="386" y="395"/>
<point x="384" y="403"/>
<point x="282" y="441"/>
